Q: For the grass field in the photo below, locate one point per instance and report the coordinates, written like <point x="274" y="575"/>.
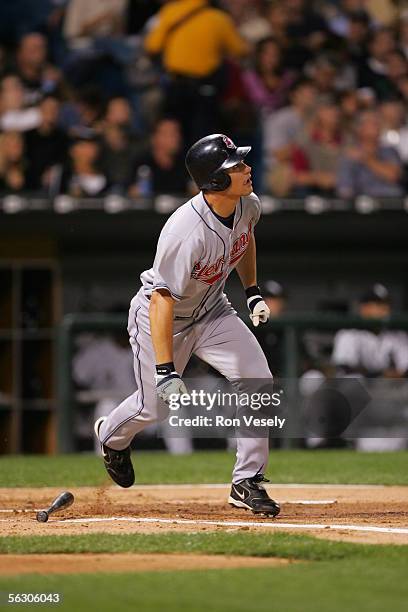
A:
<point x="355" y="584"/>
<point x="325" y="575"/>
<point x="329" y="576"/>
<point x="334" y="467"/>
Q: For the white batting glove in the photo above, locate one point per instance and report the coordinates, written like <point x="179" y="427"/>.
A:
<point x="168" y="382"/>
<point x="259" y="311"/>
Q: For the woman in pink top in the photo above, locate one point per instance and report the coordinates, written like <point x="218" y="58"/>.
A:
<point x="267" y="84"/>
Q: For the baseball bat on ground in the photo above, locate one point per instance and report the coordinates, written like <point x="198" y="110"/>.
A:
<point x="64" y="500"/>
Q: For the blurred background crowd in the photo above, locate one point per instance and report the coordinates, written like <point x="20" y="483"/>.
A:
<point x="104" y="96"/>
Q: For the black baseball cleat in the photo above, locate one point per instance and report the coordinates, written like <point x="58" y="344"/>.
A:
<point x="117" y="462"/>
<point x="251" y="495"/>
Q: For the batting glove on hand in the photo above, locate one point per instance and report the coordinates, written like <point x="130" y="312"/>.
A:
<point x="168" y="382"/>
<point x="259" y="311"/>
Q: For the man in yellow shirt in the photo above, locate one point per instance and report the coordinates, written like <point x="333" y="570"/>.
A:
<point x="194" y="39"/>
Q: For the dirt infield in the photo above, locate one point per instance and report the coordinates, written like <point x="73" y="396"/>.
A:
<point x="91" y="563"/>
<point x="373" y="514"/>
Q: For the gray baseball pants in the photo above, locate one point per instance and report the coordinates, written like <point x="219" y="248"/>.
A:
<point x="220" y="339"/>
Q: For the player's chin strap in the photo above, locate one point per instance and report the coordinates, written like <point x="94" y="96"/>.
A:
<point x="259" y="311"/>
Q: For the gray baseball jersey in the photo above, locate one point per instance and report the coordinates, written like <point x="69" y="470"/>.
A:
<point x="195" y="254"/>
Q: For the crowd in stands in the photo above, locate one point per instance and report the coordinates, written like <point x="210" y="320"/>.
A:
<point x="105" y="96"/>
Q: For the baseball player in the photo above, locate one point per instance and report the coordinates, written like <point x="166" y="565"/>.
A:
<point x="375" y="352"/>
<point x="181" y="310"/>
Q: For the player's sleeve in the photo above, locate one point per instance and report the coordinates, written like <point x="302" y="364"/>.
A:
<point x="256" y="204"/>
<point x="173" y="264"/>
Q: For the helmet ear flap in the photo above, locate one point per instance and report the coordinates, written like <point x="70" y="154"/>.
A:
<point x="220" y="181"/>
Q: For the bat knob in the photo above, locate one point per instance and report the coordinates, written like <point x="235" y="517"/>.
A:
<point x="42" y="516"/>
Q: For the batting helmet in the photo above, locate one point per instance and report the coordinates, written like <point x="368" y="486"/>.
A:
<point x="209" y="158"/>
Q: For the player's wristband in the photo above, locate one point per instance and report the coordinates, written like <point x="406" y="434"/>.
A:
<point x="252" y="291"/>
<point x="164" y="369"/>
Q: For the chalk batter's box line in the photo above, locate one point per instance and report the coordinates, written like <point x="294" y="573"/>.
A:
<point x="263" y="524"/>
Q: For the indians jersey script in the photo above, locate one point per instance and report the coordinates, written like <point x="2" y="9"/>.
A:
<point x="196" y="252"/>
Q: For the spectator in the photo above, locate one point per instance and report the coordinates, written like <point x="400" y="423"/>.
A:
<point x="340" y="19"/>
<point x="278" y="19"/>
<point x="99" y="51"/>
<point x="324" y="72"/>
<point x="120" y="145"/>
<point x="281" y="129"/>
<point x="196" y="77"/>
<point x="321" y="146"/>
<point x="306" y="26"/>
<point x="267" y="83"/>
<point x="162" y="169"/>
<point x="373" y="72"/>
<point x="84" y="114"/>
<point x="239" y="115"/>
<point x="351" y="103"/>
<point x="397" y="69"/>
<point x="369" y="168"/>
<point x="95" y="18"/>
<point x="45" y="146"/>
<point x="394" y="128"/>
<point x="13" y="115"/>
<point x="384" y="12"/>
<point x="82" y="176"/>
<point x="351" y="50"/>
<point x="294" y="53"/>
<point x="12" y="163"/>
<point x="403" y="33"/>
<point x="37" y="75"/>
<point x="248" y="18"/>
<point x="356" y="37"/>
<point x="91" y="107"/>
<point x="119" y="114"/>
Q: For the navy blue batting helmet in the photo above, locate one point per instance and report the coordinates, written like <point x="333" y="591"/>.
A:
<point x="209" y="158"/>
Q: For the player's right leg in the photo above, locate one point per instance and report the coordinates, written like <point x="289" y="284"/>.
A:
<point x="116" y="431"/>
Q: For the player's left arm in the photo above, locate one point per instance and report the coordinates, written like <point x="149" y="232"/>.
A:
<point x="246" y="268"/>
